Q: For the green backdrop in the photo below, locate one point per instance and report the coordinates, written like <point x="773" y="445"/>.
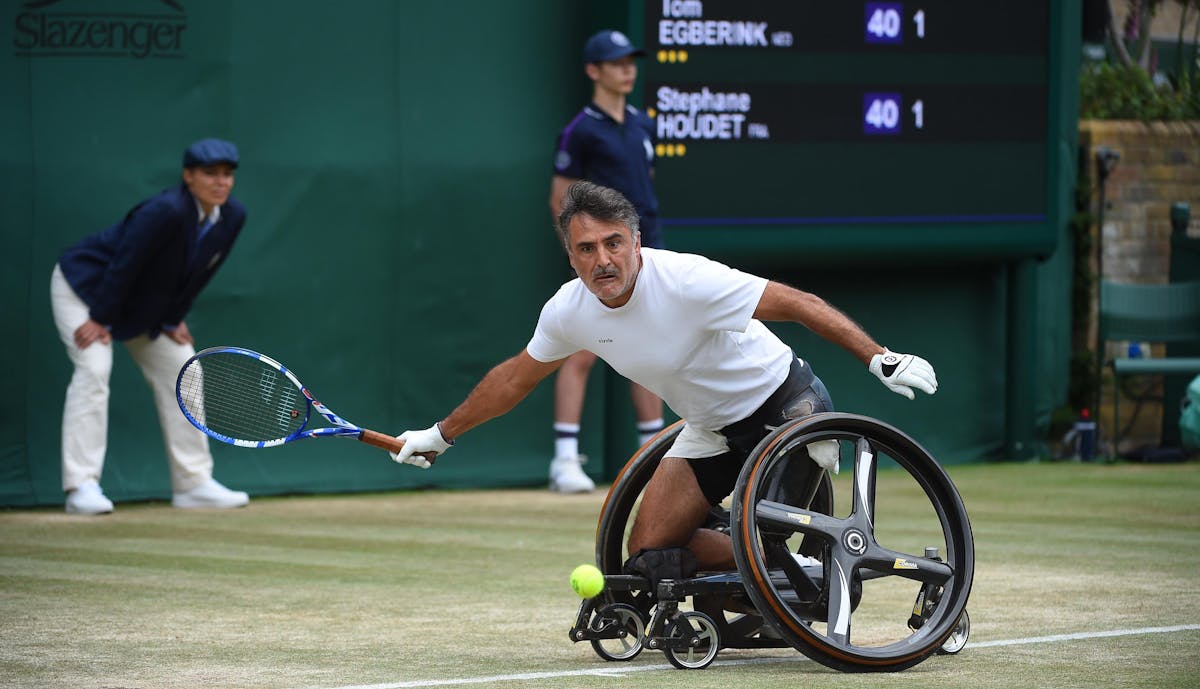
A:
<point x="395" y="164"/>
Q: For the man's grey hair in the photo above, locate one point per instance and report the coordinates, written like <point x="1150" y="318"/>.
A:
<point x="604" y="204"/>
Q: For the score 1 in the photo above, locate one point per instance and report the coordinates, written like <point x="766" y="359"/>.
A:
<point x="884" y="22"/>
<point x="881" y="113"/>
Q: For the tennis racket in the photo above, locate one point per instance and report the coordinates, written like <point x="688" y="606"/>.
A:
<point x="248" y="399"/>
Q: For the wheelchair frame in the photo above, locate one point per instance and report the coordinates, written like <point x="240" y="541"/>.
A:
<point x="772" y="600"/>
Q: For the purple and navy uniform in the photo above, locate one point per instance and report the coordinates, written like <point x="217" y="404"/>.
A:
<point x="595" y="147"/>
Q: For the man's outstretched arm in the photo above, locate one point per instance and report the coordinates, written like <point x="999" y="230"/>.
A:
<point x="782" y="303"/>
<point x="496" y="394"/>
<point x="899" y="372"/>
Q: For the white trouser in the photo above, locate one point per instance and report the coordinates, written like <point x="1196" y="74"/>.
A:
<point x="85" y="412"/>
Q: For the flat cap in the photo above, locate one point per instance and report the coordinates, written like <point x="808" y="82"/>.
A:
<point x="210" y="152"/>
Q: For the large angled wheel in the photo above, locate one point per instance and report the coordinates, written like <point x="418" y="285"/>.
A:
<point x="810" y="487"/>
<point x="612" y="528"/>
<point x="801" y="487"/>
<point x="813" y="489"/>
<point x="855" y="611"/>
<point x="615" y="516"/>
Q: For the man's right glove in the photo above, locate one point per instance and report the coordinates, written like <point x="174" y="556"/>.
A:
<point x="420" y="446"/>
<point x="903" y="372"/>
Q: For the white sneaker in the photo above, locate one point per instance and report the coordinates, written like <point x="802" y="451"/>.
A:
<point x="805" y="560"/>
<point x="210" y="494"/>
<point x="566" y="475"/>
<point x="88" y="499"/>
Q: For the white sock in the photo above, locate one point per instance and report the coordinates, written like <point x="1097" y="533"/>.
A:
<point x="648" y="429"/>
<point x="566" y="439"/>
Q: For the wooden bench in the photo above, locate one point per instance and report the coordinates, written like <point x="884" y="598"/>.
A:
<point x="1148" y="313"/>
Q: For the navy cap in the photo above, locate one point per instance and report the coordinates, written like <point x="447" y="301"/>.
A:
<point x="609" y="45"/>
<point x="210" y="152"/>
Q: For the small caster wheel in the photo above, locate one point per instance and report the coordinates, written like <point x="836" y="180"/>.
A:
<point x="702" y="646"/>
<point x="629" y="627"/>
<point x="958" y="638"/>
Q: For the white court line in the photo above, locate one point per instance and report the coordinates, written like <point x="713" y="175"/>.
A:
<point x="1084" y="635"/>
<point x="618" y="672"/>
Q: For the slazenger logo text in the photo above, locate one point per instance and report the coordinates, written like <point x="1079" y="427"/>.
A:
<point x="40" y="30"/>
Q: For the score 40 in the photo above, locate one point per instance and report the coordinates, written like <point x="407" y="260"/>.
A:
<point x="884" y="22"/>
<point x="881" y="113"/>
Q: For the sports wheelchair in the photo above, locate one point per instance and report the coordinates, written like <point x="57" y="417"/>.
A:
<point x="879" y="588"/>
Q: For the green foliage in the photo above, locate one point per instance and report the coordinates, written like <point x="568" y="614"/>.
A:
<point x="1115" y="92"/>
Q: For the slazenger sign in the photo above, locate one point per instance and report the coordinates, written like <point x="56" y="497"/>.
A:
<point x="62" y="28"/>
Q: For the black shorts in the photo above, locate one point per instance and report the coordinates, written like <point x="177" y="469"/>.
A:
<point x="800" y="395"/>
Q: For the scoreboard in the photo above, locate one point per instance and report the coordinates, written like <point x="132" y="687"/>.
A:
<point x="852" y="125"/>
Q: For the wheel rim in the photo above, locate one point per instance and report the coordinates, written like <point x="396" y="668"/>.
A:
<point x="958" y="638"/>
<point x="697" y="656"/>
<point x="622" y="648"/>
<point x="868" y="565"/>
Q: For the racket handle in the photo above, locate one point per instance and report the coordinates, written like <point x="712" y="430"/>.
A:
<point x="386" y="442"/>
<point x="381" y="440"/>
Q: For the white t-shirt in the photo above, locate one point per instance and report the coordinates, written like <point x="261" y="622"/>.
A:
<point x="687" y="334"/>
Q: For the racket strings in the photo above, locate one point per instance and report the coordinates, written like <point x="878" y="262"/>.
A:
<point x="241" y="397"/>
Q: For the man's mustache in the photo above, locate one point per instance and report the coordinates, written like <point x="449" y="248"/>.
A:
<point x="604" y="272"/>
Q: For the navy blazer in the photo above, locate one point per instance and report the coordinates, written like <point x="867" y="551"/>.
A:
<point x="144" y="272"/>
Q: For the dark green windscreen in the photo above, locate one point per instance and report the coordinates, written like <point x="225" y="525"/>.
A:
<point x="396" y="160"/>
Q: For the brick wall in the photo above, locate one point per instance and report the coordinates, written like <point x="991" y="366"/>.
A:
<point x="1159" y="165"/>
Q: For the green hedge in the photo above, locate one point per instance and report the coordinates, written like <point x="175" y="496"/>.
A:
<point x="1115" y="92"/>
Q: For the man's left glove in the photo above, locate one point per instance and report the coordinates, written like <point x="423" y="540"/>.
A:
<point x="903" y="372"/>
<point x="420" y="446"/>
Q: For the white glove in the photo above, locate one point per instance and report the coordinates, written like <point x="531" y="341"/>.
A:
<point x="903" y="372"/>
<point x="429" y="440"/>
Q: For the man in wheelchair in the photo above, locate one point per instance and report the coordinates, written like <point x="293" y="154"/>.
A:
<point x="690" y="330"/>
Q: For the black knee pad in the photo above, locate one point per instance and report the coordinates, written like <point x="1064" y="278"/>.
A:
<point x="662" y="563"/>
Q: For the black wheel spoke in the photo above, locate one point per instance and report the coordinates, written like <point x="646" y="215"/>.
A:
<point x="913" y="567"/>
<point x="788" y="519"/>
<point x="838" y="621"/>
<point x="865" y="464"/>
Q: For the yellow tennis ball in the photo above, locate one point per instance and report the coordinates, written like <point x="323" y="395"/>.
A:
<point x="587" y="581"/>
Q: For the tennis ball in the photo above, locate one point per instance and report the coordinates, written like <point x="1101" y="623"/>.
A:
<point x="587" y="581"/>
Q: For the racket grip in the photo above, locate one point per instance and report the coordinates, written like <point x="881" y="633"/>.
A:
<point x="386" y="442"/>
